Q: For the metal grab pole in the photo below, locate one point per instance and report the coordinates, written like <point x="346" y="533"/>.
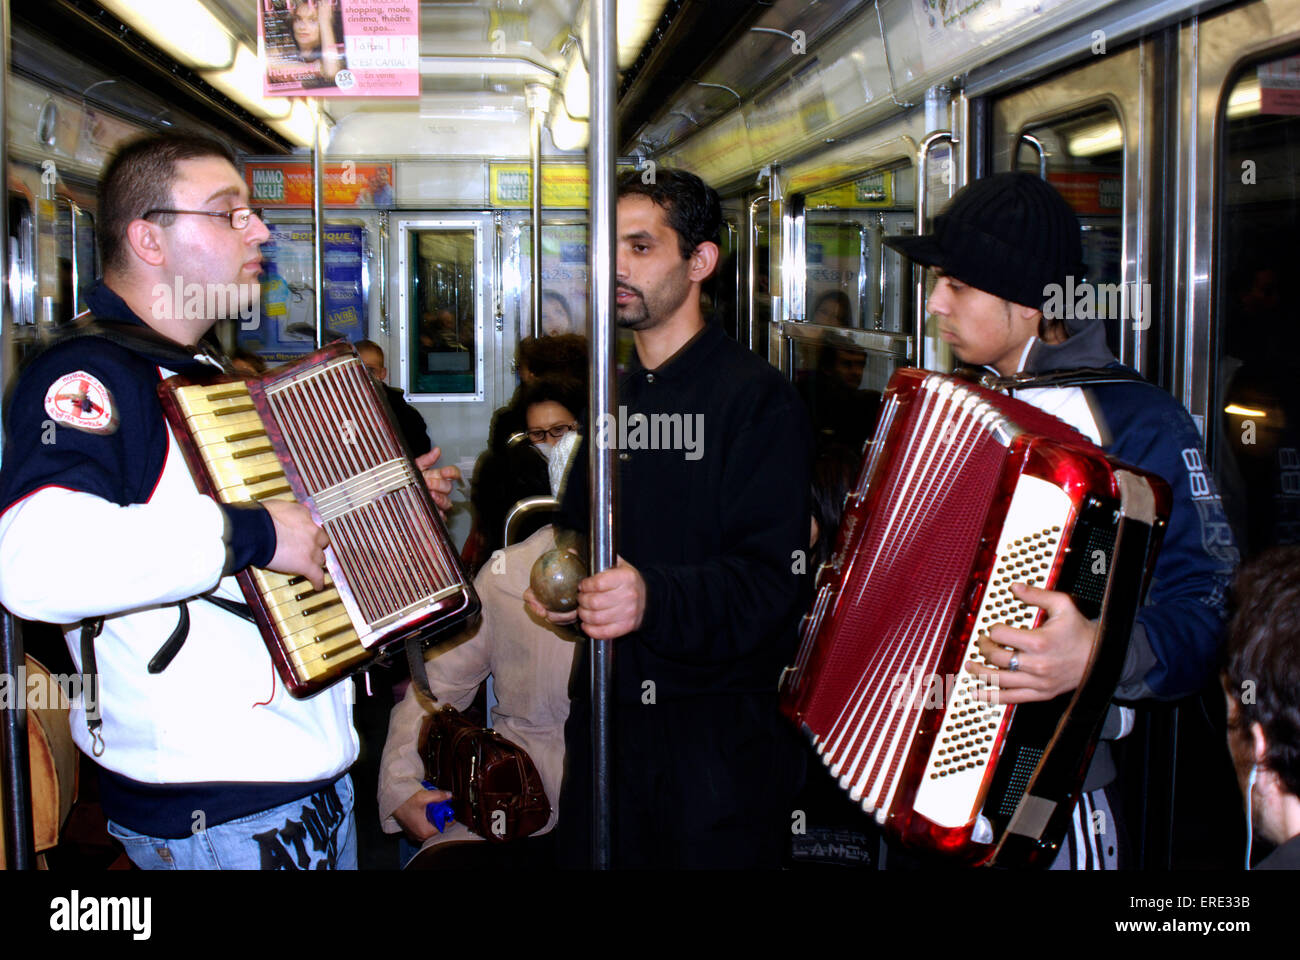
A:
<point x="318" y="221"/>
<point x="603" y="58"/>
<point x="535" y="182"/>
<point x="18" y="833"/>
<point x="19" y="838"/>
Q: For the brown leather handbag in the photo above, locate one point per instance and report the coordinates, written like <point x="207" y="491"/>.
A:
<point x="495" y="789"/>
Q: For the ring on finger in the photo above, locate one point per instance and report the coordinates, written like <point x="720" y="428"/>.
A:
<point x="1014" y="665"/>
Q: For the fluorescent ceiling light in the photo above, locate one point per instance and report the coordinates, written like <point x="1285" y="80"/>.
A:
<point x="299" y="127"/>
<point x="577" y="90"/>
<point x="1244" y="101"/>
<point x="1239" y="411"/>
<point x="636" y="20"/>
<point x="243" y="83"/>
<point x="184" y="29"/>
<point x="567" y="133"/>
<point x="1094" y="139"/>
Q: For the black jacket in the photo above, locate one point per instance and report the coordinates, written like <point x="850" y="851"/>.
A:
<point x="717" y="524"/>
<point x="414" y="430"/>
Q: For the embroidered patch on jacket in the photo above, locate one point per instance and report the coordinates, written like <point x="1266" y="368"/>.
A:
<point x="82" y="401"/>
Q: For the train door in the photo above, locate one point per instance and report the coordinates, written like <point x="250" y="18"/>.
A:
<point x="1089" y="132"/>
<point x="447" y="337"/>
<point x="1242" y="359"/>
<point x="848" y="316"/>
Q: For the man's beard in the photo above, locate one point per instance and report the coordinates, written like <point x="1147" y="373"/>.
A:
<point x="635" y="314"/>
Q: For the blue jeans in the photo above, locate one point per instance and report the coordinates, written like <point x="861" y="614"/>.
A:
<point x="317" y="832"/>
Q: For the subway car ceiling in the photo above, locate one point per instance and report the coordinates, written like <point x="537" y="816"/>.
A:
<point x="711" y="86"/>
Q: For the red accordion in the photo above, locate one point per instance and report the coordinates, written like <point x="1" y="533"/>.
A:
<point x="320" y="431"/>
<point x="963" y="492"/>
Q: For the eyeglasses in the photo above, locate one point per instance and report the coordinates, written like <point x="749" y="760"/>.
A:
<point x="555" y="432"/>
<point x="238" y="217"/>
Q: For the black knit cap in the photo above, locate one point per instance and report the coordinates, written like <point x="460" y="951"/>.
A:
<point x="1011" y="235"/>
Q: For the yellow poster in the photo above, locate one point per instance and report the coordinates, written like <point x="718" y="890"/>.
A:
<point x="564" y="185"/>
<point x="876" y="190"/>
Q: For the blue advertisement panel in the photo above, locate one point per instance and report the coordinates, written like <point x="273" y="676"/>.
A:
<point x="286" y="325"/>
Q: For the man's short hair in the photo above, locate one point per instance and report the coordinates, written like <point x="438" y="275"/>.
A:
<point x="693" y="208"/>
<point x="1263" y="650"/>
<point x="140" y="178"/>
<point x="369" y="345"/>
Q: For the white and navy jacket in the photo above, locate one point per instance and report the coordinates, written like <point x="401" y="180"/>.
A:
<point x="1174" y="649"/>
<point x="99" y="517"/>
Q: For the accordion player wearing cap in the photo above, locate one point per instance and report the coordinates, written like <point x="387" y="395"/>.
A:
<point x="1004" y="254"/>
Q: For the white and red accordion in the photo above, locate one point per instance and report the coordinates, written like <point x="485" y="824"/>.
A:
<point x="320" y="431"/>
<point x="963" y="492"/>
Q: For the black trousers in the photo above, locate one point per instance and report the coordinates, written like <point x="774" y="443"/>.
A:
<point x="703" y="783"/>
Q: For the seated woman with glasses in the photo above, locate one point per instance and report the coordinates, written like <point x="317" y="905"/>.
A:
<point x="551" y="406"/>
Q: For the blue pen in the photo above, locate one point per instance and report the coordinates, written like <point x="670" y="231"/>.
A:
<point x="438" y="813"/>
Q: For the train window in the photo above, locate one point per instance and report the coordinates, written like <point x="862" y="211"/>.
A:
<point x="444" y="336"/>
<point x="1083" y="157"/>
<point x="1254" y="430"/>
<point x="853" y="280"/>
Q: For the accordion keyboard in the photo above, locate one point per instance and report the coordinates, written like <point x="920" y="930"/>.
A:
<point x="951" y="788"/>
<point x="313" y="627"/>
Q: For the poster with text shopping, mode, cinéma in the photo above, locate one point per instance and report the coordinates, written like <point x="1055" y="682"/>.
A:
<point x="339" y="48"/>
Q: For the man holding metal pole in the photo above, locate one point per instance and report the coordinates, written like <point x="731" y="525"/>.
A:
<point x="704" y="600"/>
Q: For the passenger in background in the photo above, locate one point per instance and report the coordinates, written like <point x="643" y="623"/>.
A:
<point x="1261" y="680"/>
<point x="529" y="662"/>
<point x="505" y="470"/>
<point x="438" y="331"/>
<point x="842" y="412"/>
<point x="551" y="406"/>
<point x="834" y="309"/>
<point x="562" y="354"/>
<point x="414" y="430"/>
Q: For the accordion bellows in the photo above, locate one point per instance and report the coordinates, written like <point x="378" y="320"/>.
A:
<point x="962" y="493"/>
<point x="320" y="432"/>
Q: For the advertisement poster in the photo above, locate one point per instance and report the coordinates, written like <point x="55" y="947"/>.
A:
<point x="874" y="190"/>
<point x="286" y="326"/>
<point x="1279" y="86"/>
<point x="348" y="184"/>
<point x="564" y="185"/>
<point x="339" y="48"/>
<point x="1090" y="193"/>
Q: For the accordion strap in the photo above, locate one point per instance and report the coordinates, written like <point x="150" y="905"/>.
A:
<point x="145" y="342"/>
<point x="1082" y="377"/>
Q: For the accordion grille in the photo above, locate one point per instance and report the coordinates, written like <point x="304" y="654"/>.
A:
<point x="365" y="490"/>
<point x="903" y="590"/>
